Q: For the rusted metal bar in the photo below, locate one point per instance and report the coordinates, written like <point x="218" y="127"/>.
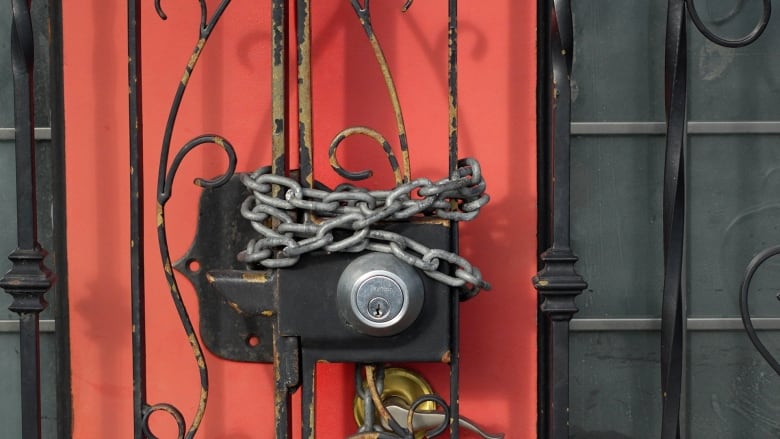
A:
<point x="279" y="83"/>
<point x="452" y="91"/>
<point x="137" y="293"/>
<point x="305" y="139"/>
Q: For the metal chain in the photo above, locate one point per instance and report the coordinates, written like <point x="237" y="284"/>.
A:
<point x="345" y="216"/>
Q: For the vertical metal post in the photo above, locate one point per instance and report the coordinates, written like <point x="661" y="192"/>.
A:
<point x="305" y="140"/>
<point x="452" y="88"/>
<point x="558" y="283"/>
<point x="279" y="83"/>
<point x="29" y="279"/>
<point x="672" y="312"/>
<point x="136" y="218"/>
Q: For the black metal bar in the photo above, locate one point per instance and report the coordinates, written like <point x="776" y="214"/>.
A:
<point x="57" y="137"/>
<point x="29" y="279"/>
<point x="308" y="399"/>
<point x="303" y="24"/>
<point x="138" y="299"/>
<point x="544" y="207"/>
<point x="557" y="282"/>
<point x="279" y="83"/>
<point x="452" y="89"/>
<point x="452" y="82"/>
<point x="454" y="357"/>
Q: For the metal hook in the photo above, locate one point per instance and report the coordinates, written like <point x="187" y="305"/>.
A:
<point x="425" y="420"/>
<point x="159" y="9"/>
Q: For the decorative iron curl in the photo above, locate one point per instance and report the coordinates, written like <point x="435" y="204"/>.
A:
<point x="740" y="42"/>
<point x="363" y="12"/>
<point x="366" y="173"/>
<point x="752" y="267"/>
<point x="374" y="380"/>
<point x="169" y="409"/>
<point x="166" y="177"/>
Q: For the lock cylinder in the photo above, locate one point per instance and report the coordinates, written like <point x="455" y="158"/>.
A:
<point x="380" y="295"/>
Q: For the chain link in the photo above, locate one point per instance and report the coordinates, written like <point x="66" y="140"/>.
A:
<point x="345" y="216"/>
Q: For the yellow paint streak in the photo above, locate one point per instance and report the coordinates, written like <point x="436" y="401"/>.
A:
<point x="543" y="283"/>
<point x="174" y="288"/>
<point x="167" y="266"/>
<point x="219" y="141"/>
<point x="267" y="313"/>
<point x="255" y="277"/>
<point x="210" y="279"/>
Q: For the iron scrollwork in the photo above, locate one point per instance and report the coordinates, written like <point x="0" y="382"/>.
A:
<point x="307" y="228"/>
<point x="166" y="176"/>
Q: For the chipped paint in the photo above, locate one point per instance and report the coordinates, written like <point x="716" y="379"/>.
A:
<point x="255" y="277"/>
<point x="160" y="215"/>
<point x="447" y="357"/>
<point x="235" y="307"/>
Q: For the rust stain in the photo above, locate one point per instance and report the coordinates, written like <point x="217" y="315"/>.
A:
<point x="196" y="53"/>
<point x="255" y="277"/>
<point x="196" y="350"/>
<point x="235" y="307"/>
<point x="432" y="220"/>
<point x="160" y="220"/>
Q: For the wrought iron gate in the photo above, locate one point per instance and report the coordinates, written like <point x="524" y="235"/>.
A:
<point x="705" y="212"/>
<point x="290" y="272"/>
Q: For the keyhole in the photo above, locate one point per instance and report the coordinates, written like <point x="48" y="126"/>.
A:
<point x="378" y="307"/>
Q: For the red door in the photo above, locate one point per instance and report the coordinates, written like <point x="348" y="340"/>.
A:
<point x="230" y="94"/>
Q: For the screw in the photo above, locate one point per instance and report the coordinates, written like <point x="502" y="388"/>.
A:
<point x="378" y="308"/>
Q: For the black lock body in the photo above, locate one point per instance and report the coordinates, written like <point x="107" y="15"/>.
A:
<point x="309" y="308"/>
<point x="239" y="306"/>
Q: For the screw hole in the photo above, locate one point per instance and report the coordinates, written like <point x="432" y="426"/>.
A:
<point x="193" y="266"/>
<point x="253" y="341"/>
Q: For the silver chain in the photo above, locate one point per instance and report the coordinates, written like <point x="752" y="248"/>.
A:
<point x="345" y="216"/>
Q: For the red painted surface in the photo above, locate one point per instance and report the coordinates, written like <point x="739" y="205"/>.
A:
<point x="229" y="94"/>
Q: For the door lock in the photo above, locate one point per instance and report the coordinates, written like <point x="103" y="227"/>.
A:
<point x="380" y="295"/>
